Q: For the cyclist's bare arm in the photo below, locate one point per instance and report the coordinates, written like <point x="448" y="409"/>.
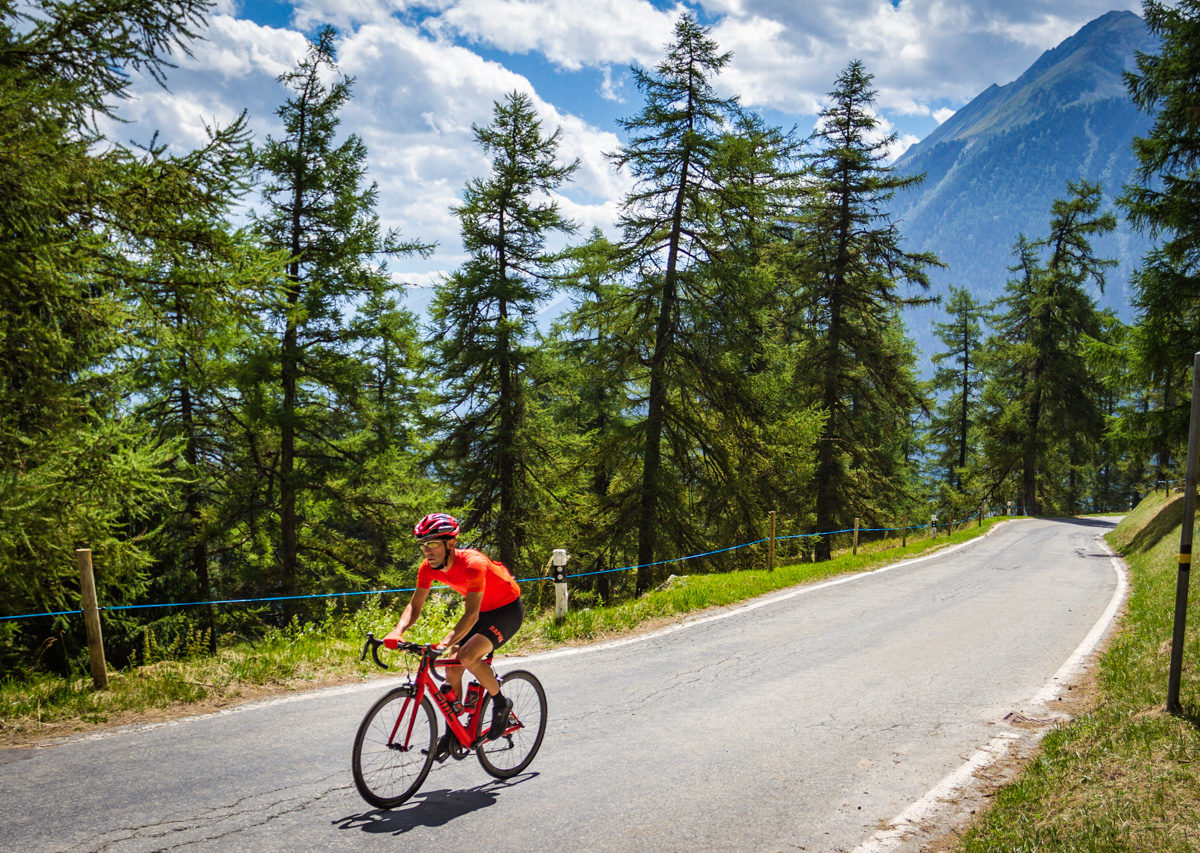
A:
<point x="412" y="612"/>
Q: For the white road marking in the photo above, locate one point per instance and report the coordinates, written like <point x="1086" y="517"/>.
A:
<point x="893" y="835"/>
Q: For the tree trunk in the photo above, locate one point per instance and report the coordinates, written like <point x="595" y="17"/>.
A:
<point x="663" y="339"/>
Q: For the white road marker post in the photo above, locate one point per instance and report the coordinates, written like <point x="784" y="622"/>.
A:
<point x="559" y="561"/>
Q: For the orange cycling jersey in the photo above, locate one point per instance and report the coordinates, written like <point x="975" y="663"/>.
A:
<point x="471" y="571"/>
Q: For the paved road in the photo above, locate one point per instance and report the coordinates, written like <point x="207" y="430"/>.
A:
<point x="805" y="720"/>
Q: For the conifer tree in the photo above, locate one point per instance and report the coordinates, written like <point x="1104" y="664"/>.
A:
<point x="483" y="319"/>
<point x="702" y="171"/>
<point x="1041" y="390"/>
<point x="957" y="374"/>
<point x="319" y="210"/>
<point x="1165" y="202"/>
<point x="195" y="304"/>
<point x="76" y="470"/>
<point x="845" y="270"/>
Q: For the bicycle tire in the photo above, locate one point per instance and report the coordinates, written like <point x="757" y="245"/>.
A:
<point x="385" y="773"/>
<point x="511" y="753"/>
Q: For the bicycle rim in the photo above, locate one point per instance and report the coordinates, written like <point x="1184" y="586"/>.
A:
<point x="393" y="749"/>
<point x="511" y="753"/>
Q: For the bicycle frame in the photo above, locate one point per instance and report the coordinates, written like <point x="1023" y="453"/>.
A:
<point x="395" y="747"/>
<point x="423" y="683"/>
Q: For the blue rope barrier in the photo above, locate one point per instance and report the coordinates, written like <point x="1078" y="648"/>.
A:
<point x="519" y="580"/>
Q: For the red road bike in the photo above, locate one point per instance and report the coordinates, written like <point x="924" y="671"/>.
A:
<point x="397" y="739"/>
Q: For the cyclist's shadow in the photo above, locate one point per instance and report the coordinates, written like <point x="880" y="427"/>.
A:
<point x="431" y="808"/>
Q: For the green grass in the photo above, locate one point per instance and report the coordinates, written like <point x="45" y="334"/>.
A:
<point x="326" y="651"/>
<point x="1126" y="775"/>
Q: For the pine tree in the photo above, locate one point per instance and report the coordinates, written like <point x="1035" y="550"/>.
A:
<point x="844" y="270"/>
<point x="954" y="419"/>
<point x="76" y="469"/>
<point x="320" y="212"/>
<point x="1043" y="394"/>
<point x="483" y="319"/>
<point x="195" y="303"/>
<point x="1165" y="202"/>
<point x="703" y="172"/>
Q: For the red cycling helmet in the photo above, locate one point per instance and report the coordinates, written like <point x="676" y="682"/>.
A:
<point x="436" y="525"/>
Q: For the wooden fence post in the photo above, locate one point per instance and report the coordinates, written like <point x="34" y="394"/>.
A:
<point x="771" y="545"/>
<point x="904" y="530"/>
<point x="91" y="618"/>
<point x="854" y="550"/>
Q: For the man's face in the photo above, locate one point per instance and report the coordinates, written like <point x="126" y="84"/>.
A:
<point x="435" y="552"/>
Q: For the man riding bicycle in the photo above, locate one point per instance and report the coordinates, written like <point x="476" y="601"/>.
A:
<point x="492" y="612"/>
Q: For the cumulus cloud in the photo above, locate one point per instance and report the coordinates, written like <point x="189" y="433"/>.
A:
<point x="426" y="70"/>
<point x="568" y="33"/>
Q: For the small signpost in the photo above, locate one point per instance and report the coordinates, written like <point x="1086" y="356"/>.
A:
<point x="1185" y="548"/>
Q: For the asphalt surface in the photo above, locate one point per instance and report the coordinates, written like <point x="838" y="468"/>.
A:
<point x="804" y="720"/>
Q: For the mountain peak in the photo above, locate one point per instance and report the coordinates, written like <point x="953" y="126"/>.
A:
<point x="994" y="168"/>
<point x="1085" y="67"/>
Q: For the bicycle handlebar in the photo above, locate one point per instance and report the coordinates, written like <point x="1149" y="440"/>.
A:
<point x="428" y="651"/>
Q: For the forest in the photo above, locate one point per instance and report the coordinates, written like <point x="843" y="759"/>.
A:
<point x="208" y="377"/>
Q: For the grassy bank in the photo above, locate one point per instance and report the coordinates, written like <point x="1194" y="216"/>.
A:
<point x="326" y="651"/>
<point x="1125" y="776"/>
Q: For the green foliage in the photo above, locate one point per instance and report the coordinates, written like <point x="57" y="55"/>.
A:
<point x="841" y="312"/>
<point x="707" y="179"/>
<point x="956" y="382"/>
<point x="1164" y="203"/>
<point x="1043" y="417"/>
<point x="338" y="334"/>
<point x="482" y="322"/>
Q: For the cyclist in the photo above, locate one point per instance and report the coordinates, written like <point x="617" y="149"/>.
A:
<point x="492" y="612"/>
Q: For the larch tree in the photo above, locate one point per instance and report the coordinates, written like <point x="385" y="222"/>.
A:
<point x="846" y="269"/>
<point x="1164" y="201"/>
<point x="700" y="172"/>
<point x="321" y="212"/>
<point x="482" y="321"/>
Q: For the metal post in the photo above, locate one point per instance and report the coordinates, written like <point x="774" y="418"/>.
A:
<point x="1185" y="546"/>
<point x="559" y="560"/>
<point x="91" y="618"/>
<point x="771" y="545"/>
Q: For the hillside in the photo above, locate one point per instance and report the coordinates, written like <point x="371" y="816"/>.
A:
<point x="994" y="168"/>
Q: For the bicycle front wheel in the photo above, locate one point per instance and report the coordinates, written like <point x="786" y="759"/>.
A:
<point x="393" y="749"/>
<point x="511" y="753"/>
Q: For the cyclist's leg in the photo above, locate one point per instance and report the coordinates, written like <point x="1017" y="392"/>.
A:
<point x="472" y="653"/>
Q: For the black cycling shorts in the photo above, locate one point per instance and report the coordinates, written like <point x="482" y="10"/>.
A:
<point x="500" y="624"/>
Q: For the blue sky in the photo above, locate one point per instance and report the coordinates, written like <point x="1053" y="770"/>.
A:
<point x="425" y="70"/>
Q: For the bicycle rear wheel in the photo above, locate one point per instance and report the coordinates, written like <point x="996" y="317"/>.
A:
<point x="511" y="753"/>
<point x="393" y="749"/>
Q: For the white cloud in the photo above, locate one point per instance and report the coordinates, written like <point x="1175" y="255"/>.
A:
<point x="421" y="81"/>
<point x="568" y="33"/>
